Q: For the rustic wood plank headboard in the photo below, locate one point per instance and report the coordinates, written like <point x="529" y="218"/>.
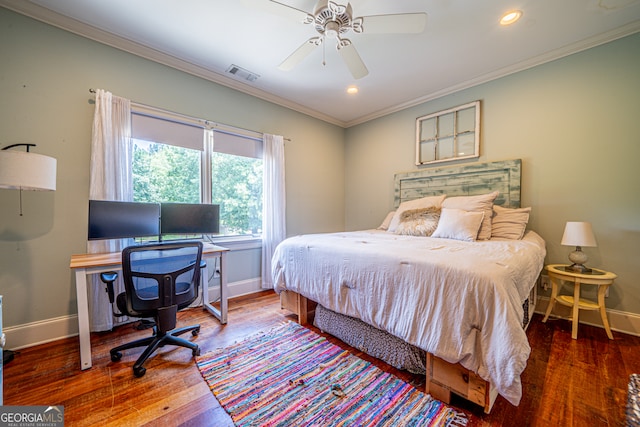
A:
<point x="464" y="180"/>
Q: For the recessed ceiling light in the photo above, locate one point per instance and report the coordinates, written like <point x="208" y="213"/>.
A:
<point x="352" y="90"/>
<point x="510" y="17"/>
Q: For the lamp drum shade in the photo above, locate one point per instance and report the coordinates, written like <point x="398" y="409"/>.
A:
<point x="578" y="234"/>
<point x="22" y="170"/>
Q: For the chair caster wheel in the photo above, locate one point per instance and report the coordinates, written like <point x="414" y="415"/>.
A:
<point x="138" y="372"/>
<point x="195" y="332"/>
<point x="116" y="356"/>
<point x="196" y="352"/>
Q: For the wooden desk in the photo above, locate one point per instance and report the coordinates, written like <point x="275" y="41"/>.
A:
<point x="602" y="279"/>
<point x="85" y="264"/>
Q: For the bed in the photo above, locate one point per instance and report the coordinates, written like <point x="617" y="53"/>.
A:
<point x="462" y="301"/>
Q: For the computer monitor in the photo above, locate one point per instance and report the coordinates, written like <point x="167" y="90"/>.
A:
<point x="120" y="220"/>
<point x="189" y="218"/>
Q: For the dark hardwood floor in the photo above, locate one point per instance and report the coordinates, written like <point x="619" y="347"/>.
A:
<point x="566" y="383"/>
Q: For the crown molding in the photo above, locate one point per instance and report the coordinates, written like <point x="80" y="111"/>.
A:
<point x="74" y="26"/>
<point x="553" y="55"/>
<point x="79" y="28"/>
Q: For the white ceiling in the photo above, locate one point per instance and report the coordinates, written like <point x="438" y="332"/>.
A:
<point x="462" y="45"/>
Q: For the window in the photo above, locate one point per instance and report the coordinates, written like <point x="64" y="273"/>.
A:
<point x="236" y="183"/>
<point x="452" y="134"/>
<point x="184" y="163"/>
<point x="165" y="173"/>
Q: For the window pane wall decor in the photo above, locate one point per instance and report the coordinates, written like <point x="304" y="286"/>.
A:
<point x="448" y="135"/>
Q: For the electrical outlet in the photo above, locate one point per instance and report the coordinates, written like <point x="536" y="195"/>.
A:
<point x="545" y="283"/>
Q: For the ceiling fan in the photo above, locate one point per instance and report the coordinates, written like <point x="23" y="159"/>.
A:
<point x="332" y="21"/>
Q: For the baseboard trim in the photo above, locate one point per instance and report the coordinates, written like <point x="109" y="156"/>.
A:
<point x="620" y="321"/>
<point x="42" y="332"/>
<point x="239" y="288"/>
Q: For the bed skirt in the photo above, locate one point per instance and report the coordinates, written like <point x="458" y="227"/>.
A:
<point x="373" y="341"/>
<point x="633" y="401"/>
<point x="382" y="345"/>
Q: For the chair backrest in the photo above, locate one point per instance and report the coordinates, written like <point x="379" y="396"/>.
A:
<point x="161" y="275"/>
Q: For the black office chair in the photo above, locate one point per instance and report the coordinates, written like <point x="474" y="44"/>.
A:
<point x="159" y="280"/>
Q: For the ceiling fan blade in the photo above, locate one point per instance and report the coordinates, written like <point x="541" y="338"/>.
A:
<point x="352" y="59"/>
<point x="280" y="9"/>
<point x="300" y="53"/>
<point x="396" y="23"/>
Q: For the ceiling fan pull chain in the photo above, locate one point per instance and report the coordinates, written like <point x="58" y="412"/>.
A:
<point x="324" y="54"/>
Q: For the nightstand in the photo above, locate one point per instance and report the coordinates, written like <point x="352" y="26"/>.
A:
<point x="600" y="278"/>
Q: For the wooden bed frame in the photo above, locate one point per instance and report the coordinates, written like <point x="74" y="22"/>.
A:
<point x="444" y="378"/>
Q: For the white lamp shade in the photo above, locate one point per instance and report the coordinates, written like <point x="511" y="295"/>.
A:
<point x="578" y="234"/>
<point x="21" y="170"/>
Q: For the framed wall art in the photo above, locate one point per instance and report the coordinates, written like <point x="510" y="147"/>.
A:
<point x="448" y="135"/>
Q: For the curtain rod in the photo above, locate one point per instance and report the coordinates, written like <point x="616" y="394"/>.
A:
<point x="196" y="119"/>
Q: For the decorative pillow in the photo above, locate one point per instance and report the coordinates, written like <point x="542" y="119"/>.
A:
<point x="509" y="223"/>
<point x="481" y="203"/>
<point x="419" y="222"/>
<point x="425" y="202"/>
<point x="387" y="221"/>
<point x="458" y="224"/>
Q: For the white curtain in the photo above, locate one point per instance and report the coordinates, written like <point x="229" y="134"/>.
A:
<point x="110" y="179"/>
<point x="274" y="206"/>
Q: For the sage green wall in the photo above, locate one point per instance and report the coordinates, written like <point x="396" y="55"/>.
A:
<point x="574" y="122"/>
<point x="45" y="76"/>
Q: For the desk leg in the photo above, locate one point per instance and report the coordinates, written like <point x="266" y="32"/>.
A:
<point x="603" y="312"/>
<point x="576" y="309"/>
<point x="83" y="318"/>
<point x="224" y="292"/>
<point x="221" y="314"/>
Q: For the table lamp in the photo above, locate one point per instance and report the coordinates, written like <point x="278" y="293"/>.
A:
<point x="578" y="234"/>
<point x="23" y="170"/>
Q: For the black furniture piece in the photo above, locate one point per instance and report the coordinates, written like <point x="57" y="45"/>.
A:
<point x="159" y="280"/>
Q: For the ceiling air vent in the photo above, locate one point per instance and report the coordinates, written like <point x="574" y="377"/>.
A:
<point x="241" y="73"/>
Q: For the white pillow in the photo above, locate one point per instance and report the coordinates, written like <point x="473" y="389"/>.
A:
<point x="419" y="222"/>
<point x="509" y="223"/>
<point x="387" y="221"/>
<point x="481" y="203"/>
<point x="425" y="202"/>
<point x="458" y="224"/>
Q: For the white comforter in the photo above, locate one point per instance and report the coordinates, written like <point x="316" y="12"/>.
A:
<point x="460" y="301"/>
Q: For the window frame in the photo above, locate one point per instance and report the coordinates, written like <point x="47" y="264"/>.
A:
<point x="207" y="151"/>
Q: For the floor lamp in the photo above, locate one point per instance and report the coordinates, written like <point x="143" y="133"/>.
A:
<point x="23" y="170"/>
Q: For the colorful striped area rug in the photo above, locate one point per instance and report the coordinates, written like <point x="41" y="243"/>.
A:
<point x="291" y="376"/>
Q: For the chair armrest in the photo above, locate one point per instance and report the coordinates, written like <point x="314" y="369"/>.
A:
<point x="108" y="278"/>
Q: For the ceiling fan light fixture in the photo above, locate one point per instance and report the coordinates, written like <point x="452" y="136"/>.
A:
<point x="331" y="29"/>
<point x="510" y="17"/>
<point x="332" y="20"/>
